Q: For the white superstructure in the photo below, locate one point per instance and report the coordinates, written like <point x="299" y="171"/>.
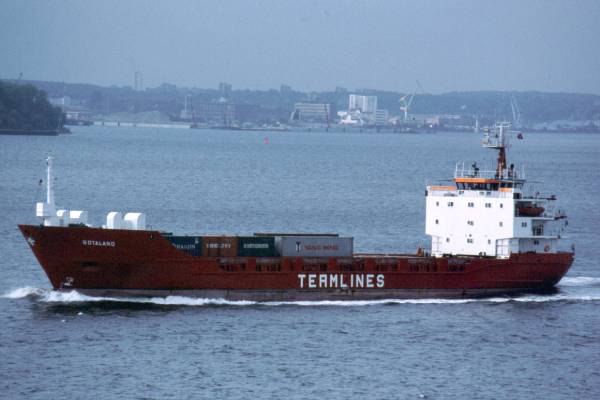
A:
<point x="491" y="213"/>
<point x="47" y="210"/>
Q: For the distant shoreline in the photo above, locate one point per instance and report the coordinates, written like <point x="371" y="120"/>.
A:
<point x="34" y="132"/>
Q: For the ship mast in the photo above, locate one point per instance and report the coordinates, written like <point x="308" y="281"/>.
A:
<point x="47" y="211"/>
<point x="498" y="139"/>
<point x="49" y="184"/>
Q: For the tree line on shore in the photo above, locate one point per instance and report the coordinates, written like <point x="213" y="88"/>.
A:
<point x="26" y="108"/>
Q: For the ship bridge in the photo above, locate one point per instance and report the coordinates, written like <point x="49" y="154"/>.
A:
<point x="473" y="178"/>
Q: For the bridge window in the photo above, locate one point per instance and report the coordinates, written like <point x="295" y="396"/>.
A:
<point x="524" y="224"/>
<point x="501" y="223"/>
<point x="469" y="240"/>
<point x="470" y="223"/>
<point x="437" y="222"/>
<point x="447" y="240"/>
<point x="488" y="205"/>
<point x="501" y="205"/>
<point x="471" y="204"/>
<point x="450" y="204"/>
<point x="437" y="203"/>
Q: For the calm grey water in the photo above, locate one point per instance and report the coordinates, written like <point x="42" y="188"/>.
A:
<point x="370" y="186"/>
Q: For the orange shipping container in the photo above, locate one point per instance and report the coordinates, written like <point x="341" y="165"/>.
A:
<point x="219" y="246"/>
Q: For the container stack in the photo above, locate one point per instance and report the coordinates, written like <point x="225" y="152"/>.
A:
<point x="257" y="246"/>
<point x="314" y="246"/>
<point x="278" y="245"/>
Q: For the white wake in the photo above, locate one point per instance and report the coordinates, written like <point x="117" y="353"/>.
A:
<point x="579" y="281"/>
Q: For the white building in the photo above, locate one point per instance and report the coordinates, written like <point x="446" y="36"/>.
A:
<point x="349" y="118"/>
<point x="138" y="81"/>
<point x="366" y="104"/>
<point x="382" y="117"/>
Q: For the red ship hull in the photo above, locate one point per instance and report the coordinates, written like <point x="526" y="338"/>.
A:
<point x="127" y="262"/>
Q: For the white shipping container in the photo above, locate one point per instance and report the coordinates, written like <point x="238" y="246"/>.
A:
<point x="78" y="217"/>
<point x="63" y="217"/>
<point x="135" y="221"/>
<point x="314" y="246"/>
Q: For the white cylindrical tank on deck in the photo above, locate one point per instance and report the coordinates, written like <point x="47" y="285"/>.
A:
<point x="78" y="217"/>
<point x="135" y="221"/>
<point x="114" y="220"/>
<point x="63" y="217"/>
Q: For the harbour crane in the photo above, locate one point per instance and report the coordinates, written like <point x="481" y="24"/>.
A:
<point x="405" y="104"/>
<point x="407" y="100"/>
<point x="516" y="111"/>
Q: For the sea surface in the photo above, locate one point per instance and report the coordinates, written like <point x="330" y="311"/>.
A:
<point x="370" y="186"/>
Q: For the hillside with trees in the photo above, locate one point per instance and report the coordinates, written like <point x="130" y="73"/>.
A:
<point x="26" y="108"/>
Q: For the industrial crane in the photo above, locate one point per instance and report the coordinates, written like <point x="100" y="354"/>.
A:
<point x="516" y="111"/>
<point x="407" y="100"/>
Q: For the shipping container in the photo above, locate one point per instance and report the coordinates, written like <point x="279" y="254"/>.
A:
<point x="314" y="246"/>
<point x="256" y="246"/>
<point x="189" y="244"/>
<point x="219" y="246"/>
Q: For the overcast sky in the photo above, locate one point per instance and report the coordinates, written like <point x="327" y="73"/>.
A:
<point x="310" y="45"/>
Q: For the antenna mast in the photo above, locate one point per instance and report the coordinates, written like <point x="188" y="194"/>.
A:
<point x="498" y="139"/>
<point x="49" y="183"/>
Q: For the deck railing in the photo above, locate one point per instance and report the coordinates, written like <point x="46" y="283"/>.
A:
<point x="473" y="171"/>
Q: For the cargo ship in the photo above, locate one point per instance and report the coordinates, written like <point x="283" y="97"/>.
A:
<point x="489" y="236"/>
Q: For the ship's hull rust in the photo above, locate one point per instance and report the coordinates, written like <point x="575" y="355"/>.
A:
<point x="127" y="262"/>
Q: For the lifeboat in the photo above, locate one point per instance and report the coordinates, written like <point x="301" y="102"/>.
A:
<point x="530" y="211"/>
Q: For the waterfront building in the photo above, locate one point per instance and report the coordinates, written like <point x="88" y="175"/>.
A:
<point x="312" y="112"/>
<point x="381" y="117"/>
<point x="366" y="104"/>
<point x="217" y="113"/>
<point x="138" y="83"/>
<point x="225" y="90"/>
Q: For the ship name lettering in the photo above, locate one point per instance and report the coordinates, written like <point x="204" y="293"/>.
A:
<point x="341" y="281"/>
<point x="101" y="243"/>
